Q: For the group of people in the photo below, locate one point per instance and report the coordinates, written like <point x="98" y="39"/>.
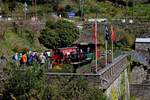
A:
<point x="28" y="58"/>
<point x="52" y="57"/>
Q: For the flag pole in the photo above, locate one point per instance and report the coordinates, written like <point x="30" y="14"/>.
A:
<point x="112" y="51"/>
<point x="106" y="52"/>
<point x="106" y="43"/>
<point x="112" y="44"/>
<point x="96" y="45"/>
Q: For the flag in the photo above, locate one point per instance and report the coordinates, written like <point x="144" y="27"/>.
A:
<point x="113" y="34"/>
<point x="106" y="33"/>
<point x="94" y="30"/>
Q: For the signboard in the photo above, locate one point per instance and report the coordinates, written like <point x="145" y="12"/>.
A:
<point x="68" y="50"/>
<point x="71" y="14"/>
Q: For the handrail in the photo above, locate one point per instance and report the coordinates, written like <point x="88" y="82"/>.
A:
<point x="69" y="74"/>
<point x="108" y="67"/>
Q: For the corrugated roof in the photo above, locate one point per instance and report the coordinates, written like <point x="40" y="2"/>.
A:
<point x="85" y="39"/>
<point x="145" y="40"/>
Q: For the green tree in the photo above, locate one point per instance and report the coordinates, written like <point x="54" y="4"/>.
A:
<point x="58" y="34"/>
<point x="74" y="88"/>
<point x="32" y="84"/>
<point x="24" y="84"/>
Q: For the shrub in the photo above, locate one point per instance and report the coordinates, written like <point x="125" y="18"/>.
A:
<point x="58" y="34"/>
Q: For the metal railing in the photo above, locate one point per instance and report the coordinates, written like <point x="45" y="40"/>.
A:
<point x="112" y="71"/>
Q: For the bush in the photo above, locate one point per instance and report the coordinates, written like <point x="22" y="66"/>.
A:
<point x="74" y="88"/>
<point x="58" y="34"/>
<point x="24" y="84"/>
<point x="20" y="49"/>
<point x="32" y="84"/>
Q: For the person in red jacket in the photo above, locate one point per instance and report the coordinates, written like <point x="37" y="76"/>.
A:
<point x="24" y="58"/>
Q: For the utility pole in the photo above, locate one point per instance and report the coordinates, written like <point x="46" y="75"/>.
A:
<point x="0" y="5"/>
<point x="25" y="10"/>
<point x="81" y="8"/>
<point x="34" y="8"/>
<point x="133" y="3"/>
<point x="96" y="49"/>
<point x="126" y="13"/>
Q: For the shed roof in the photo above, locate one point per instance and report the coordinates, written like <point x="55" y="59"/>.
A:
<point x="143" y="40"/>
<point x="85" y="39"/>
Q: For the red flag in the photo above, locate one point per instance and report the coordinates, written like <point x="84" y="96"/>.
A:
<point x="97" y="50"/>
<point x="94" y="30"/>
<point x="113" y="34"/>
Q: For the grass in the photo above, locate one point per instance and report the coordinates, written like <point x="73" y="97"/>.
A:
<point x="84" y="69"/>
<point x="12" y="40"/>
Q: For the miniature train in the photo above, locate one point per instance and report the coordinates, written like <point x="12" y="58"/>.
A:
<point x="70" y="55"/>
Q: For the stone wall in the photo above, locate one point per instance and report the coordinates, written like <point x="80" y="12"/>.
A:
<point x="142" y="46"/>
<point x="119" y="89"/>
<point x="138" y="75"/>
<point x="141" y="90"/>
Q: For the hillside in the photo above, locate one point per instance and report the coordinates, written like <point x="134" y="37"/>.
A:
<point x="45" y="25"/>
<point x="13" y="41"/>
<point x="87" y="9"/>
